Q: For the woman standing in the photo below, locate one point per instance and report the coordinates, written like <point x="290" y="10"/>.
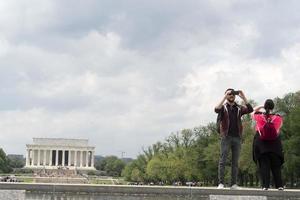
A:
<point x="267" y="146"/>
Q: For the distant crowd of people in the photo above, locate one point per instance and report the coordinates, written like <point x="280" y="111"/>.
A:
<point x="267" y="146"/>
<point x="59" y="172"/>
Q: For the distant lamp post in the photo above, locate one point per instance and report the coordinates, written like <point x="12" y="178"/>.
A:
<point x="122" y="154"/>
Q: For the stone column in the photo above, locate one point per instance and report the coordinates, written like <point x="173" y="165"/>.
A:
<point x="27" y="158"/>
<point x="81" y="154"/>
<point x="87" y="159"/>
<point x="32" y="157"/>
<point x="39" y="157"/>
<point x="56" y="158"/>
<point x="63" y="158"/>
<point x="69" y="158"/>
<point x="44" y="161"/>
<point x="75" y="158"/>
<point x="50" y="158"/>
<point x="92" y="158"/>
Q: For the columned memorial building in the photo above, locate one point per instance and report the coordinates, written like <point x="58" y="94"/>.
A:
<point x="54" y="153"/>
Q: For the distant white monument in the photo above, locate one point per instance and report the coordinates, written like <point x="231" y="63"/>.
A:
<point x="55" y="153"/>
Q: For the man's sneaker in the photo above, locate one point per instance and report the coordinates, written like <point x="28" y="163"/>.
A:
<point x="280" y="188"/>
<point x="235" y="187"/>
<point x="221" y="186"/>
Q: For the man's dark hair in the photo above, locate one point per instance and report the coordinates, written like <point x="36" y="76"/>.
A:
<point x="228" y="90"/>
<point x="269" y="105"/>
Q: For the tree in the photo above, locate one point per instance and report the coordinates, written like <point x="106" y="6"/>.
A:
<point x="291" y="135"/>
<point x="207" y="153"/>
<point x="136" y="170"/>
<point x="156" y="170"/>
<point x="112" y="165"/>
<point x="16" y="161"/>
<point x="4" y="163"/>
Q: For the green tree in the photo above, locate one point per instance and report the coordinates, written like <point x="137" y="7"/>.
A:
<point x="16" y="161"/>
<point x="290" y="107"/>
<point x="112" y="165"/>
<point x="136" y="170"/>
<point x="207" y="153"/>
<point x="157" y="170"/>
<point x="4" y="163"/>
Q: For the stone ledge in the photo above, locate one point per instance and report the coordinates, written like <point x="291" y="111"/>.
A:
<point x="147" y="190"/>
<point x="12" y="194"/>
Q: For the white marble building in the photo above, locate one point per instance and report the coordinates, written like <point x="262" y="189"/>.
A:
<point x="53" y="153"/>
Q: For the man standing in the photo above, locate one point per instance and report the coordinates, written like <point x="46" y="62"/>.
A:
<point x="230" y="125"/>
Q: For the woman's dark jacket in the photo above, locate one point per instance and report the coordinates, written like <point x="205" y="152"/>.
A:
<point x="265" y="146"/>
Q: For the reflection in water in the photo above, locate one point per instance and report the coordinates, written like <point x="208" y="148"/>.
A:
<point x="69" y="196"/>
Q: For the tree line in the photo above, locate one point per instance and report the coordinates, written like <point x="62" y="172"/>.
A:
<point x="192" y="155"/>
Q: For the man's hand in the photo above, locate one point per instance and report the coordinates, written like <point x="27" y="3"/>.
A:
<point x="242" y="95"/>
<point x="219" y="106"/>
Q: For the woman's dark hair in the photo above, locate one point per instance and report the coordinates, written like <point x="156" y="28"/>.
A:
<point x="269" y="105"/>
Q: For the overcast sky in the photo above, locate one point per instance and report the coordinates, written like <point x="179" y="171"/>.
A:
<point x="126" y="73"/>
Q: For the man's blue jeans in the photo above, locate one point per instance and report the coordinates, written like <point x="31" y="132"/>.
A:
<point x="233" y="143"/>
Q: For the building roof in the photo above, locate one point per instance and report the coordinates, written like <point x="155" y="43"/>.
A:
<point x="60" y="142"/>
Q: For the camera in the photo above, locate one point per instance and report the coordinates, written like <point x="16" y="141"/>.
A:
<point x="235" y="92"/>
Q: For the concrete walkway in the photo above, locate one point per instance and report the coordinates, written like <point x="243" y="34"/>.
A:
<point x="149" y="190"/>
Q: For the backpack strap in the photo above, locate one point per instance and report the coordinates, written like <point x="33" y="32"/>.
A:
<point x="267" y="117"/>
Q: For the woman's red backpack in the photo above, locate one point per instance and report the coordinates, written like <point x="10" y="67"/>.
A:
<point x="268" y="126"/>
<point x="268" y="131"/>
